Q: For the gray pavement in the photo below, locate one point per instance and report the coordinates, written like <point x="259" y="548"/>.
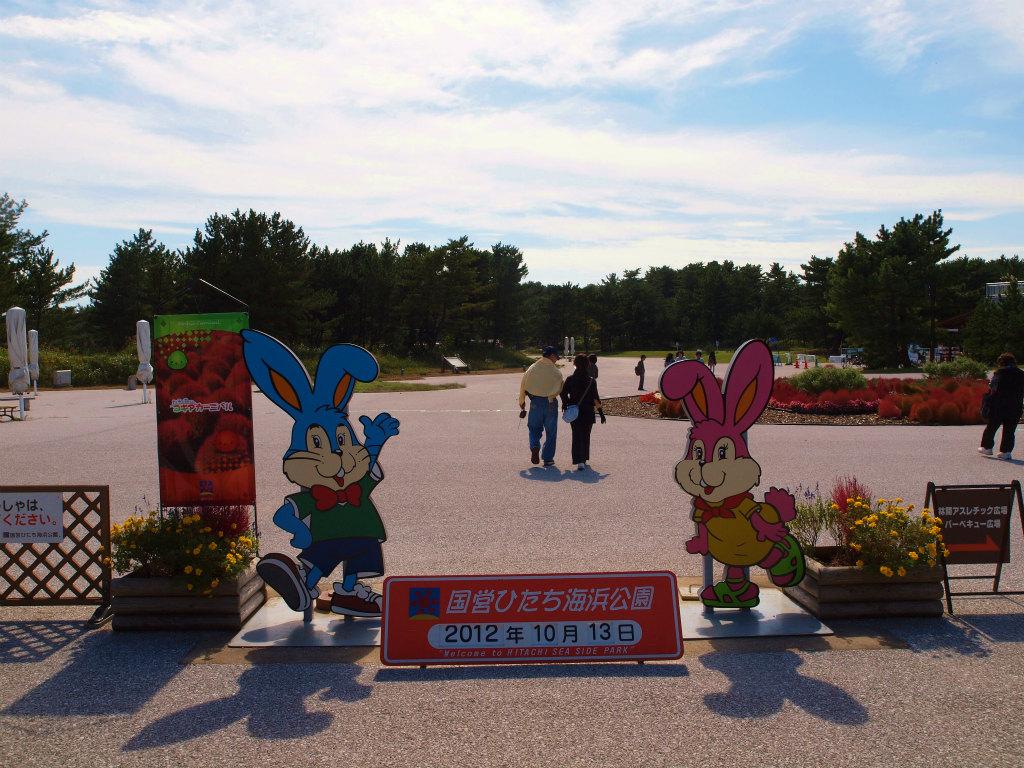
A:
<point x="461" y="497"/>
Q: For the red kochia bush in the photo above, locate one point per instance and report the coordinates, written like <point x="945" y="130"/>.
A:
<point x="951" y="401"/>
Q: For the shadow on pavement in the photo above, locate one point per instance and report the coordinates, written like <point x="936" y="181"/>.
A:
<point x="997" y="627"/>
<point x="271" y="697"/>
<point x="556" y="475"/>
<point x="940" y="636"/>
<point x="762" y="683"/>
<point x="108" y="675"/>
<point x="528" y="672"/>
<point x="26" y="641"/>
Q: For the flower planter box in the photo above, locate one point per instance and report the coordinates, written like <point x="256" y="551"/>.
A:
<point x="840" y="592"/>
<point x="163" y="603"/>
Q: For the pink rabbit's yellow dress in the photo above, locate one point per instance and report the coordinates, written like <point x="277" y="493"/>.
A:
<point x="731" y="536"/>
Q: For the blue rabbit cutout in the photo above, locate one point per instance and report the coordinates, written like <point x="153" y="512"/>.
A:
<point x="324" y="457"/>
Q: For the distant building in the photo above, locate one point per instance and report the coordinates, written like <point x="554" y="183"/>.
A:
<point x="996" y="291"/>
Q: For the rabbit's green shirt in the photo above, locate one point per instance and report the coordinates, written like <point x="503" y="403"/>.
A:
<point x="343" y="521"/>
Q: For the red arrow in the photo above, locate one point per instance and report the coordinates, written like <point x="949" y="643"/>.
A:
<point x="987" y="546"/>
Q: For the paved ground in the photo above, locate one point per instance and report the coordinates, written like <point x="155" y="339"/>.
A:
<point x="461" y="497"/>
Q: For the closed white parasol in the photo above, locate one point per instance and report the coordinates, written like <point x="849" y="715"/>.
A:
<point x="145" y="350"/>
<point x="33" y="358"/>
<point x="17" y="351"/>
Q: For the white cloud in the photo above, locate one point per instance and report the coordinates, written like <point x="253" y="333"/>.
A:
<point x="344" y="117"/>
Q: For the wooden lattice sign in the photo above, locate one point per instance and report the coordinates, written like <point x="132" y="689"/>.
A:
<point x="66" y="572"/>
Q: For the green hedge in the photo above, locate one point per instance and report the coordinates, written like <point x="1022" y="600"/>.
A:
<point x="98" y="369"/>
<point x="829" y="379"/>
<point x="92" y="369"/>
<point x="961" y="368"/>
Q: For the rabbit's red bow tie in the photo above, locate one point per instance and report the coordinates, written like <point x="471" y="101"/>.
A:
<point x="325" y="497"/>
<point x="725" y="509"/>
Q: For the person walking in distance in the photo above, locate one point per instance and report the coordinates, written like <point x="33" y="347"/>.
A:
<point x="580" y="390"/>
<point x="542" y="383"/>
<point x="669" y="359"/>
<point x="712" y="362"/>
<point x="592" y="360"/>
<point x="639" y="371"/>
<point x="1003" y="406"/>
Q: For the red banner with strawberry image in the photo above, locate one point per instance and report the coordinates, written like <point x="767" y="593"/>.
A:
<point x="204" y="411"/>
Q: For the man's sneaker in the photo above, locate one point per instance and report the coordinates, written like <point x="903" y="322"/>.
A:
<point x="1005" y="455"/>
<point x="985" y="451"/>
<point x="287" y="578"/>
<point x="549" y="463"/>
<point x="360" y="601"/>
<point x="581" y="467"/>
<point x="535" y="455"/>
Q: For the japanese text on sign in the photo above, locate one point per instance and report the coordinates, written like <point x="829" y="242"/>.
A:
<point x="565" y="617"/>
<point x="975" y="522"/>
<point x="28" y="518"/>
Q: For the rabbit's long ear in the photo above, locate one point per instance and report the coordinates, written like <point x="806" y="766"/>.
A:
<point x="692" y="382"/>
<point x="748" y="383"/>
<point x="278" y="373"/>
<point x="339" y="369"/>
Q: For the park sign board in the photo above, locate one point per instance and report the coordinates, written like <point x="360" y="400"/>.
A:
<point x="975" y="522"/>
<point x="204" y="410"/>
<point x="531" y="618"/>
<point x="31" y="517"/>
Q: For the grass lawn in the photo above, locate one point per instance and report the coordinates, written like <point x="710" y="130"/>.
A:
<point x="721" y="355"/>
<point x="404" y="386"/>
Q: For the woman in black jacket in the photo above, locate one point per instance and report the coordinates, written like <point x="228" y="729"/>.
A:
<point x="580" y="389"/>
<point x="1005" y="405"/>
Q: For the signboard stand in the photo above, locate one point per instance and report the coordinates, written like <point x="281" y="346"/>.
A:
<point x="971" y="515"/>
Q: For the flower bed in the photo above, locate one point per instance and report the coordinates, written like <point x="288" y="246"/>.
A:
<point x="885" y="558"/>
<point x="949" y="401"/>
<point x="187" y="569"/>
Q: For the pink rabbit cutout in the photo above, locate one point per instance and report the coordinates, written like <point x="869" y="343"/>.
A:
<point x="719" y="473"/>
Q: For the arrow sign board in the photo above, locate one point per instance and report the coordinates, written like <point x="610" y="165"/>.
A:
<point x="531" y="618"/>
<point x="976" y="522"/>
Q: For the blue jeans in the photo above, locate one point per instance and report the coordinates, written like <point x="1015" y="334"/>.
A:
<point x="543" y="418"/>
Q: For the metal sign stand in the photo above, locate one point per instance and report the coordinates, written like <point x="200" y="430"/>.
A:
<point x="1004" y="546"/>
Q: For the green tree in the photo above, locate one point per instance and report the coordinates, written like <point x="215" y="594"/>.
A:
<point x="141" y="280"/>
<point x="265" y="261"/>
<point x="996" y="327"/>
<point x="883" y="293"/>
<point x="16" y="246"/>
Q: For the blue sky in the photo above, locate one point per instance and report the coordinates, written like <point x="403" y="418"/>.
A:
<point x="597" y="136"/>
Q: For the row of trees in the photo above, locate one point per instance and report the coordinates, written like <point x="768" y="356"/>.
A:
<point x="882" y="293"/>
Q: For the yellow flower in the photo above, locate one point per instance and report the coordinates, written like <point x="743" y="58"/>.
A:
<point x="945" y="551"/>
<point x="860" y="563"/>
<point x="213" y="545"/>
<point x="215" y="583"/>
<point x="220" y="534"/>
<point x="885" y="571"/>
<point x="199" y="571"/>
<point x="188" y="587"/>
<point x="931" y="563"/>
<point x="881" y="501"/>
<point x="899" y="500"/>
<point x="850" y="501"/>
<point x="901" y="571"/>
<point x="912" y="555"/>
<point x="934" y="530"/>
<point x="233" y="526"/>
<point x="196" y="550"/>
<point x="855" y="546"/>
<point x="872" y="525"/>
<point x="893" y="533"/>
<point x="188" y="569"/>
<point x="834" y="506"/>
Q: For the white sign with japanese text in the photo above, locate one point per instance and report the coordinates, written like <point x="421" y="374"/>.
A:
<point x="31" y="517"/>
